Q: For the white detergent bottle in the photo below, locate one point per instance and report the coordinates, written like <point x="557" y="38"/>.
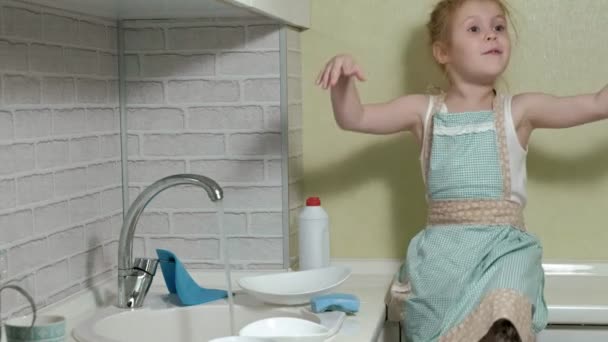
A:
<point x="313" y="235"/>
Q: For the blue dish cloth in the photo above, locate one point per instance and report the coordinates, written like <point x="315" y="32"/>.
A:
<point x="347" y="303"/>
<point x="179" y="281"/>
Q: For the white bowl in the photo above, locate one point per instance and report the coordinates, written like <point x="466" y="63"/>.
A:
<point x="294" y="288"/>
<point x="286" y="329"/>
<point x="239" y="339"/>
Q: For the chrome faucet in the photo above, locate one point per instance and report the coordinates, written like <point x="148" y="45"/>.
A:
<point x="135" y="277"/>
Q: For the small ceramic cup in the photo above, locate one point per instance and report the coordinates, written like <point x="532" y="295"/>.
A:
<point x="45" y="329"/>
<point x="35" y="329"/>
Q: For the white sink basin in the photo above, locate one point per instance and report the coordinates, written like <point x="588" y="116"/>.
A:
<point x="162" y="322"/>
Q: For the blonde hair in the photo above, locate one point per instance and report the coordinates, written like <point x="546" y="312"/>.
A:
<point x="441" y="17"/>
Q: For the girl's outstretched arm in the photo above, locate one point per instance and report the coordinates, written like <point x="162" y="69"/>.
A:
<point x="547" y="111"/>
<point x="402" y="114"/>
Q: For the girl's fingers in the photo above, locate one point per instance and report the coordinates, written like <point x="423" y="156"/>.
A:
<point x="351" y="69"/>
<point x="348" y="68"/>
<point x="337" y="67"/>
<point x="326" y="75"/>
<point x="336" y="72"/>
<point x="319" y="77"/>
<point x="359" y="74"/>
<point x="323" y="72"/>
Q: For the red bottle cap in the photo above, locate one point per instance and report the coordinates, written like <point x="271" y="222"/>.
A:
<point x="313" y="202"/>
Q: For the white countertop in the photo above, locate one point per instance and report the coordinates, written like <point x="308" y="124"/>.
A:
<point x="363" y="326"/>
<point x="575" y="294"/>
<point x="367" y="323"/>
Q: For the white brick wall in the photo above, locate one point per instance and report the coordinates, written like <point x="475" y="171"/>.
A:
<point x="248" y="63"/>
<point x="35" y="188"/>
<point x="84" y="149"/>
<point x="266" y="224"/>
<point x="58" y="90"/>
<point x="6" y="126"/>
<point x="163" y="65"/>
<point x="272" y="119"/>
<point x="51" y="279"/>
<point x="22" y="22"/>
<point x="187" y="248"/>
<point x="144" y="39"/>
<point x="66" y="243"/>
<point x="85" y="265"/>
<point x="226" y="117"/>
<point x="20" y="89"/>
<point x="145" y="93"/>
<point x="206" y="37"/>
<point x="32" y="123"/>
<point x="262" y="89"/>
<point x="188" y="144"/>
<point x="71" y="182"/>
<point x="196" y="223"/>
<point x="265" y="144"/>
<point x="16" y="225"/>
<point x="242" y="171"/>
<point x="11" y="301"/>
<point x="16" y="158"/>
<point x="99" y="232"/>
<point x="143" y="119"/>
<point x="255" y="248"/>
<point x="69" y="121"/>
<point x="46" y="58"/>
<point x="203" y="97"/>
<point x="153" y="223"/>
<point x="51" y="154"/>
<point x="201" y="91"/>
<point x="13" y="56"/>
<point x="81" y="61"/>
<point x="262" y="37"/>
<point x="59" y="151"/>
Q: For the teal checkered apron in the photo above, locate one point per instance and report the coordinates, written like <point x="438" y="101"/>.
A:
<point x="474" y="263"/>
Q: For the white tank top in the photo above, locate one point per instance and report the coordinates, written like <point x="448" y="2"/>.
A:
<point x="517" y="154"/>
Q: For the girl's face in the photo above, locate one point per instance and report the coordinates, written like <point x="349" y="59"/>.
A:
<point x="479" y="46"/>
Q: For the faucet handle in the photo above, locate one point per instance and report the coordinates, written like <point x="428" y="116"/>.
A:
<point x="147" y="265"/>
<point x="134" y="284"/>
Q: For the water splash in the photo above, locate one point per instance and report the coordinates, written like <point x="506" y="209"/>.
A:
<point x="224" y="246"/>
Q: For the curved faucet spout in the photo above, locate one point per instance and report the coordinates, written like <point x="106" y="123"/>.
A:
<point x="127" y="232"/>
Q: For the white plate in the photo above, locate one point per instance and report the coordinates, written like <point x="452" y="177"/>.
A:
<point x="293" y="288"/>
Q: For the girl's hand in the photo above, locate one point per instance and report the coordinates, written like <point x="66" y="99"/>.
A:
<point x="337" y="67"/>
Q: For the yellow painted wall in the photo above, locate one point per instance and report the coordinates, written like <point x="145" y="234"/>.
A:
<point x="371" y="185"/>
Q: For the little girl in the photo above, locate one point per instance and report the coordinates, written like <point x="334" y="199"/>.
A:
<point x="474" y="273"/>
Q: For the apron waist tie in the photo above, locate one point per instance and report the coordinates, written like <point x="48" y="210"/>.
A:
<point x="478" y="212"/>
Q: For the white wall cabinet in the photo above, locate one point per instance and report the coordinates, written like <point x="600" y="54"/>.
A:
<point x="292" y="12"/>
